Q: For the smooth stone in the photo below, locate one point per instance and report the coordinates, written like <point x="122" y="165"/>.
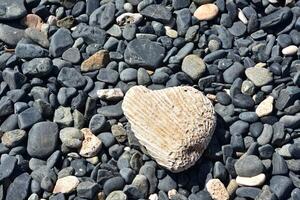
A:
<point x="60" y="41"/>
<point x="71" y="137"/>
<point x="164" y="15"/>
<point x="141" y="183"/>
<point x="6" y="106"/>
<point x="294" y="150"/>
<point x="143" y="52"/>
<point x="295" y="194"/>
<point x="193" y="66"/>
<point x="243" y="101"/>
<point x="63" y="116"/>
<point x="183" y="21"/>
<point x="281" y="186"/>
<point x="249" y="166"/>
<point x="129" y="74"/>
<point x="19" y="188"/>
<point x="13" y="138"/>
<point x="266" y="135"/>
<point x="107" y="139"/>
<point x="290" y="121"/>
<point x="66" y="184"/>
<point x="259" y="76"/>
<point x="265" y="151"/>
<point x="42" y="139"/>
<point x="275" y="18"/>
<point x="251" y="181"/>
<point x="238" y="29"/>
<point x="206" y="12"/>
<point x="108" y="75"/>
<point x="119" y="132"/>
<point x="111" y="110"/>
<point x="233" y="72"/>
<point x="70" y="77"/>
<point x="10" y="35"/>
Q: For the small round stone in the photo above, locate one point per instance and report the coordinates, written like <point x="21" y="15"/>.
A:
<point x="193" y="66"/>
<point x="206" y="12"/>
<point x="249" y="166"/>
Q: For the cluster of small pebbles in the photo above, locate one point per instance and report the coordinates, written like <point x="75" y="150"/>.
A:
<point x="66" y="66"/>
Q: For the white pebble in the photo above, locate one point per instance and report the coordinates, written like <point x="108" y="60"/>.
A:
<point x="290" y="50"/>
<point x="251" y="181"/>
<point x="242" y="17"/>
<point x="128" y="7"/>
<point x="153" y="197"/>
<point x="265" y="107"/>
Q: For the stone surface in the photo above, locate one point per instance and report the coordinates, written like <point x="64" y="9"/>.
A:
<point x="13" y="138"/>
<point x="19" y="188"/>
<point x="206" y="12"/>
<point x="71" y="137"/>
<point x="249" y="166"/>
<point x="66" y="184"/>
<point x="259" y="76"/>
<point x="110" y="94"/>
<point x="157" y="12"/>
<point x="217" y="190"/>
<point x="91" y="144"/>
<point x="42" y="139"/>
<point x="60" y="41"/>
<point x="132" y="104"/>
<point x="265" y="107"/>
<point x="11" y="10"/>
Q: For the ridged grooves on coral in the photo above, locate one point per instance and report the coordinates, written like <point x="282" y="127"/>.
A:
<point x="174" y="124"/>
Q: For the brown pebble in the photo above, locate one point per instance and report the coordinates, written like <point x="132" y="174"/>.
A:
<point x="96" y="61"/>
<point x="33" y="21"/>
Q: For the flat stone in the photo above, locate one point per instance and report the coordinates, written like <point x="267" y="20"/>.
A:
<point x="259" y="76"/>
<point x="87" y="189"/>
<point x="10" y="35"/>
<point x="70" y="77"/>
<point x="233" y="72"/>
<point x="114" y="94"/>
<point x="157" y="12"/>
<point x="29" y="117"/>
<point x="72" y="55"/>
<point x="11" y="10"/>
<point x="30" y="51"/>
<point x="117" y="195"/>
<point x="111" y="110"/>
<point x="103" y="16"/>
<point x="248" y="192"/>
<point x="143" y="52"/>
<point x="42" y="139"/>
<point x="217" y="190"/>
<point x="265" y="107"/>
<point x="108" y="75"/>
<point x="7" y="166"/>
<point x="193" y="66"/>
<point x="275" y="18"/>
<point x="96" y="61"/>
<point x="37" y="36"/>
<point x="91" y="144"/>
<point x="281" y="186"/>
<point x="13" y="138"/>
<point x="38" y="67"/>
<point x="90" y="34"/>
<point x="66" y="184"/>
<point x="291" y="121"/>
<point x="206" y="12"/>
<point x="19" y="188"/>
<point x="251" y="181"/>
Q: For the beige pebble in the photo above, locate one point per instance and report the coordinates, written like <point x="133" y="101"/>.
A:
<point x="52" y="20"/>
<point x="91" y="144"/>
<point x="217" y="190"/>
<point x="290" y="50"/>
<point x="33" y="21"/>
<point x="265" y="107"/>
<point x="251" y="181"/>
<point x="171" y="32"/>
<point x="172" y="193"/>
<point x="110" y="94"/>
<point x="96" y="61"/>
<point x="93" y="160"/>
<point x="232" y="187"/>
<point x="101" y="196"/>
<point x="260" y="64"/>
<point x="206" y="12"/>
<point x="66" y="184"/>
<point x="242" y="17"/>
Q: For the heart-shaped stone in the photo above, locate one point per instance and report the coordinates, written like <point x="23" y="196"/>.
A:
<point x="174" y="124"/>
